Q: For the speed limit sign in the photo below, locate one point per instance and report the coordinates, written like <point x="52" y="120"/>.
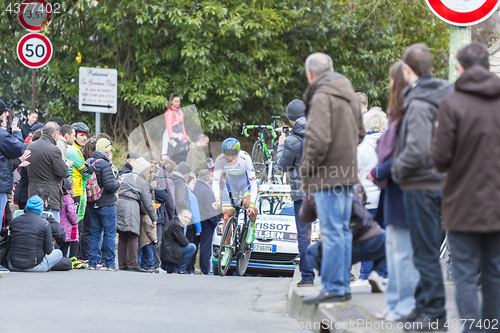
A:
<point x="34" y="50"/>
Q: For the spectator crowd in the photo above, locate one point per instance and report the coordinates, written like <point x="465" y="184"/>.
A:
<point x="70" y="202"/>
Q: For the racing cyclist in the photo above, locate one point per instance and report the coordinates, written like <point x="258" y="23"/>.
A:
<point x="240" y="179"/>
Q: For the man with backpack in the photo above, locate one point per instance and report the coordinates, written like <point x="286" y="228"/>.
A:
<point x="288" y="160"/>
<point x="102" y="207"/>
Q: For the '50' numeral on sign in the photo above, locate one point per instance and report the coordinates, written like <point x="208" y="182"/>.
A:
<point x="39" y="50"/>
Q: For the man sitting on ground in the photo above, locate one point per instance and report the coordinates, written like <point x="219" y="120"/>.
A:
<point x="31" y="241"/>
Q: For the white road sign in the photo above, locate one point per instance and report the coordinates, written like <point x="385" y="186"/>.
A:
<point x="98" y="91"/>
<point x="463" y="12"/>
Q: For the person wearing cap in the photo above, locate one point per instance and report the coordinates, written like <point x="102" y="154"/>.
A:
<point x="82" y="134"/>
<point x="129" y="164"/>
<point x="27" y="126"/>
<point x="31" y="241"/>
<point x="47" y="168"/>
<point x="288" y="160"/>
<point x="134" y="191"/>
<point x="102" y="212"/>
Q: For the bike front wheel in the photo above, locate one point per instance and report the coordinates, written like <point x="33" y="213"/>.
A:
<point x="246" y="251"/>
<point x="229" y="230"/>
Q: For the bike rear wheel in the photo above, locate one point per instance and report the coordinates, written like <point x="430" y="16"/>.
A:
<point x="258" y="160"/>
<point x="244" y="258"/>
<point x="230" y="228"/>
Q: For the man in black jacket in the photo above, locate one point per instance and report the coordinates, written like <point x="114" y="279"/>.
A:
<point x="422" y="183"/>
<point x="209" y="219"/>
<point x="129" y="164"/>
<point x="176" y="251"/>
<point x="31" y="241"/>
<point x="102" y="212"/>
<point x="288" y="159"/>
<point x="47" y="168"/>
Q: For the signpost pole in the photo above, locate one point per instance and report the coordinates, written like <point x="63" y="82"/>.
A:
<point x="97" y="123"/>
<point x="459" y="37"/>
<point x="33" y="101"/>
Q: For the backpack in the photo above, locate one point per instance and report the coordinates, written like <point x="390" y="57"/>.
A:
<point x="92" y="188"/>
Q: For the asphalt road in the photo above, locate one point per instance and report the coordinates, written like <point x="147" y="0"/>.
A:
<point x="102" y="301"/>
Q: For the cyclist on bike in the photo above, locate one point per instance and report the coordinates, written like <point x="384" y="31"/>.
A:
<point x="240" y="179"/>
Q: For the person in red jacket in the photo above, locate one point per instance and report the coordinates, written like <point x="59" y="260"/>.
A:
<point x="175" y="138"/>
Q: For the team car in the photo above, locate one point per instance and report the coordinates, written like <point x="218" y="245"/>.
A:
<point x="275" y="249"/>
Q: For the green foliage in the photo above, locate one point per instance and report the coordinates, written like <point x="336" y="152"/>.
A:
<point x="238" y="61"/>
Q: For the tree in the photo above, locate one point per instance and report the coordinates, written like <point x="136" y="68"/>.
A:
<point x="238" y="61"/>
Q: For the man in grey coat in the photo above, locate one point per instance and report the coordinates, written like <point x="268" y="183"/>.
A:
<point x="288" y="160"/>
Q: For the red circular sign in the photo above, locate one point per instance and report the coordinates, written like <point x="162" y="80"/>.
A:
<point x="35" y="15"/>
<point x="463" y="12"/>
<point x="34" y="50"/>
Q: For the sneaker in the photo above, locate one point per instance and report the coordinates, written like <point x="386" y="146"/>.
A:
<point x="225" y="258"/>
<point x="92" y="268"/>
<point x="251" y="232"/>
<point x="360" y="283"/>
<point x="77" y="264"/>
<point x="380" y="315"/>
<point x="99" y="266"/>
<point x="3" y="270"/>
<point x="111" y="268"/>
<point x="303" y="283"/>
<point x="376" y="282"/>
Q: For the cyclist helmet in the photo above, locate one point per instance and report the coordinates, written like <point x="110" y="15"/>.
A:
<point x="81" y="128"/>
<point x="231" y="147"/>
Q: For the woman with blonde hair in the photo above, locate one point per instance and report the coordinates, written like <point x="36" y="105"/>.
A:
<point x="175" y="138"/>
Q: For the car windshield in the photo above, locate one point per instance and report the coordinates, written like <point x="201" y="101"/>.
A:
<point x="275" y="204"/>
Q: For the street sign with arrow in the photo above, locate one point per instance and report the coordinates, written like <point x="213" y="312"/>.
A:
<point x="98" y="90"/>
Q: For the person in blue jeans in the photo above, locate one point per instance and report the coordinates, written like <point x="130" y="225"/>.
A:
<point x="422" y="183"/>
<point x="102" y="212"/>
<point x="176" y="250"/>
<point x="288" y="160"/>
<point x="368" y="243"/>
<point x="31" y="241"/>
<point x="329" y="169"/>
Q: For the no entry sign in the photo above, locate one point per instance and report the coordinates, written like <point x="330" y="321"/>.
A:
<point x="34" y="50"/>
<point x="35" y="15"/>
<point x="463" y="12"/>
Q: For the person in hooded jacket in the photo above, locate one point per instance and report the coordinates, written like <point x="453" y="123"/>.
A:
<point x="134" y="190"/>
<point x="466" y="145"/>
<point x="422" y="183"/>
<point x="31" y="241"/>
<point x="102" y="212"/>
<point x="288" y="160"/>
<point x="329" y="169"/>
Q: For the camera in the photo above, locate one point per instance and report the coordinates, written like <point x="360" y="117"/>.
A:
<point x="286" y="130"/>
<point x="15" y="122"/>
